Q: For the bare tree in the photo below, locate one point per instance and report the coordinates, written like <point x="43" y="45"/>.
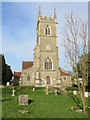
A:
<point x="75" y="44"/>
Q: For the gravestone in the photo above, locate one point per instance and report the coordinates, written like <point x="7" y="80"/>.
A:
<point x="8" y="83"/>
<point x="47" y="90"/>
<point x="56" y="92"/>
<point x="75" y="92"/>
<point x="79" y="111"/>
<point x="23" y="99"/>
<point x="86" y="94"/>
<point x="33" y="89"/>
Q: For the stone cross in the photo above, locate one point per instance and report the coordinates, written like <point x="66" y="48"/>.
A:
<point x="13" y="91"/>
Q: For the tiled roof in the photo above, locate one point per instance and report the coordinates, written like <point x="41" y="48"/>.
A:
<point x="17" y="74"/>
<point x="65" y="74"/>
<point x="26" y="65"/>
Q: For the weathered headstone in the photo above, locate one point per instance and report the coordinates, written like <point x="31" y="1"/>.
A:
<point x="47" y="90"/>
<point x="23" y="99"/>
<point x="13" y="91"/>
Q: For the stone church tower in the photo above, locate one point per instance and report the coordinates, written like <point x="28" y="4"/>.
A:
<point x="44" y="69"/>
<point x="46" y="61"/>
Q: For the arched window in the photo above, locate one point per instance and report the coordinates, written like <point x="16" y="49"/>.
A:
<point x="47" y="30"/>
<point x="48" y="64"/>
<point x="28" y="78"/>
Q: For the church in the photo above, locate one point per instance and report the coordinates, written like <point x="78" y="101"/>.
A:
<point x="44" y="69"/>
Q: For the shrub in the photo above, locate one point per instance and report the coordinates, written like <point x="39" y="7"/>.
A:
<point x="74" y="85"/>
<point x="16" y="82"/>
<point x="71" y="88"/>
<point x="60" y="92"/>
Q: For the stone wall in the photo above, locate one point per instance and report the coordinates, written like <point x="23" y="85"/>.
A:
<point x="24" y="76"/>
<point x="66" y="82"/>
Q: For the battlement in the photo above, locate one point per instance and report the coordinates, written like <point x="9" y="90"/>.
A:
<point x="49" y="19"/>
<point x="46" y="19"/>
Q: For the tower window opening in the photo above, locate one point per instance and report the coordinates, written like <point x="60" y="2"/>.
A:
<point x="47" y="30"/>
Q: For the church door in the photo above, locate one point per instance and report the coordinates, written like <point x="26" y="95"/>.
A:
<point x="47" y="80"/>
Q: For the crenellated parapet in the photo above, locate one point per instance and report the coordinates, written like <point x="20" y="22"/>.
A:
<point x="49" y="19"/>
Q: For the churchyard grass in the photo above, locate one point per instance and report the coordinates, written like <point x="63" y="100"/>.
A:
<point x="42" y="105"/>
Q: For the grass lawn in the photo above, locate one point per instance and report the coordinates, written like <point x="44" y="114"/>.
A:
<point x="43" y="106"/>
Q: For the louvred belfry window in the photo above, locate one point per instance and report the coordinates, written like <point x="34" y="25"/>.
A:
<point x="47" y="30"/>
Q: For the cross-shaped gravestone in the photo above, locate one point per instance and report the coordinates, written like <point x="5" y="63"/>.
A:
<point x="13" y="91"/>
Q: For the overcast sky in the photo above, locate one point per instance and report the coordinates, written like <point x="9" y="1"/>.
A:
<point x="19" y="28"/>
